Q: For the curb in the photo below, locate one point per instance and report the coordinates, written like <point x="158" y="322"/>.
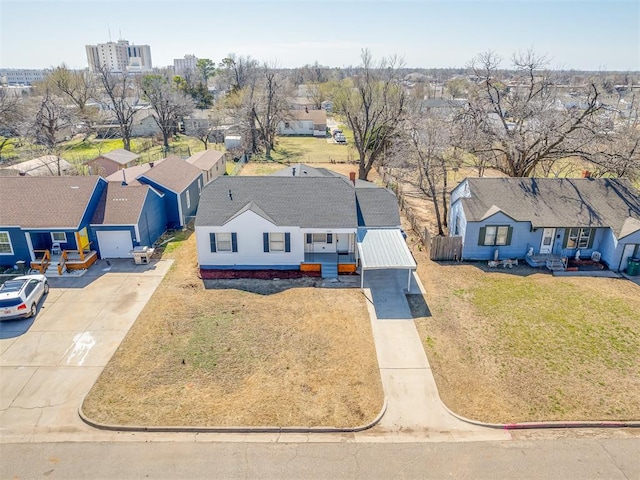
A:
<point x="264" y="429"/>
<point x="543" y="425"/>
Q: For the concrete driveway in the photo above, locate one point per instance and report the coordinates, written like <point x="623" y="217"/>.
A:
<point x="49" y="364"/>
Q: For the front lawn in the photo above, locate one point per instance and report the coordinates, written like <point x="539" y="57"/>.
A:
<point x="518" y="345"/>
<point x="243" y="353"/>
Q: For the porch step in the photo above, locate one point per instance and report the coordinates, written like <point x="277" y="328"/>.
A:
<point x="555" y="265"/>
<point x="329" y="270"/>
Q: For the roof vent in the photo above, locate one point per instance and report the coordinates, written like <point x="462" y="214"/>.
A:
<point x="293" y="171"/>
<point x="124" y="178"/>
<point x="150" y="164"/>
<point x="230" y="195"/>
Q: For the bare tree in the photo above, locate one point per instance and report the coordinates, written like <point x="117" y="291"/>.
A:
<point x="373" y="102"/>
<point x="268" y="105"/>
<point x="48" y="122"/>
<point x="236" y="71"/>
<point x="168" y="104"/>
<point x="515" y="124"/>
<point x="119" y="95"/>
<point x="429" y="137"/>
<point x="10" y="118"/>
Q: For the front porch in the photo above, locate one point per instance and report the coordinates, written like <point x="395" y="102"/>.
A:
<point x="50" y="264"/>
<point x="330" y="265"/>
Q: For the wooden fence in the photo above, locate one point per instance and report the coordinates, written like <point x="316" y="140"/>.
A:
<point x="440" y="247"/>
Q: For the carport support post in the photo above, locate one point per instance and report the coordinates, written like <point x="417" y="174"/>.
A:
<point x="409" y="282"/>
<point x="362" y="279"/>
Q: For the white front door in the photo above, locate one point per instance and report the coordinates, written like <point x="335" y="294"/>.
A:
<point x="114" y="243"/>
<point x="547" y="240"/>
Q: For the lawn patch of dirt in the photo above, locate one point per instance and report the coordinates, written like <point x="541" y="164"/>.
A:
<point x="291" y="355"/>
<point x="521" y="345"/>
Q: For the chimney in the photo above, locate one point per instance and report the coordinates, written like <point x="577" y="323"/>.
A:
<point x="230" y="195"/>
<point x="293" y="171"/>
<point x="352" y="177"/>
<point x="586" y="174"/>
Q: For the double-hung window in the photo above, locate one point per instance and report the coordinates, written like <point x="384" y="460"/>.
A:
<point x="495" y="235"/>
<point x="223" y="242"/>
<point x="579" y="238"/>
<point x="5" y="244"/>
<point x="276" y="241"/>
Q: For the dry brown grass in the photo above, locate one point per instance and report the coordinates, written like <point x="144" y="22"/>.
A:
<point x="524" y="346"/>
<point x="302" y="356"/>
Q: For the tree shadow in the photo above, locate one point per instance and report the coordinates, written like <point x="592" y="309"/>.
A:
<point x="520" y="270"/>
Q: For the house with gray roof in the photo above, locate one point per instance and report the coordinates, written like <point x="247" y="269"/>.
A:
<point x="553" y="218"/>
<point x="127" y="216"/>
<point x="211" y="162"/>
<point x="295" y="221"/>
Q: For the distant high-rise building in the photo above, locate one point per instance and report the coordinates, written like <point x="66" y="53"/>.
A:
<point x="182" y="65"/>
<point x="119" y="57"/>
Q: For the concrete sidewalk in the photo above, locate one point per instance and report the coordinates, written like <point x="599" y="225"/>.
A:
<point x="414" y="405"/>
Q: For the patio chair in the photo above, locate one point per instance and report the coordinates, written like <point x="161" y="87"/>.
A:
<point x="55" y="249"/>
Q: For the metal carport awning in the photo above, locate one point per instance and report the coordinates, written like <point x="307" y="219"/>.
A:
<point x="384" y="248"/>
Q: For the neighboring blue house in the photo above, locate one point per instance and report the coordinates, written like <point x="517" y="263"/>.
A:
<point x="181" y="184"/>
<point x="558" y="217"/>
<point x="85" y="216"/>
<point x="127" y="216"/>
<point x="40" y="213"/>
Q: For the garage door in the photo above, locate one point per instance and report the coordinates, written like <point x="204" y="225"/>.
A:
<point x="115" y="244"/>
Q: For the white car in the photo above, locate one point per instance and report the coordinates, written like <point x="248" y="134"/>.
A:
<point x="20" y="296"/>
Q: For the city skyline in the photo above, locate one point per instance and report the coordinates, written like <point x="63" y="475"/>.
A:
<point x="586" y="35"/>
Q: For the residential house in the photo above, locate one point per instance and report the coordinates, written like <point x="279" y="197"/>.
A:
<point x="45" y="165"/>
<point x="130" y="175"/>
<point x="127" y="216"/>
<point x="144" y="124"/>
<point x="541" y="217"/>
<point x="73" y="220"/>
<point x="111" y="162"/>
<point x="181" y="184"/>
<point x="305" y="219"/>
<point x="304" y="122"/>
<point x="41" y="214"/>
<point x="211" y="162"/>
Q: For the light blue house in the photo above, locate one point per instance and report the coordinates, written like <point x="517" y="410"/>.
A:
<point x="547" y="218"/>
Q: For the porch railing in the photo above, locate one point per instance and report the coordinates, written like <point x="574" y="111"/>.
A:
<point x="42" y="261"/>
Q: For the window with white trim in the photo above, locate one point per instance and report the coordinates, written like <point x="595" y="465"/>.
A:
<point x="495" y="235"/>
<point x="5" y="244"/>
<point x="579" y="237"/>
<point x="276" y="242"/>
<point x="59" y="237"/>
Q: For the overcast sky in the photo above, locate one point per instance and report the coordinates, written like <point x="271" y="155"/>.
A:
<point x="575" y="34"/>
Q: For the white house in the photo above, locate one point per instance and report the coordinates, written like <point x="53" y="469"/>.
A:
<point x="304" y="122"/>
<point x="304" y="219"/>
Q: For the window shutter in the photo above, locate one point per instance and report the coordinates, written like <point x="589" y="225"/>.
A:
<point x="309" y="238"/>
<point x="483" y="231"/>
<point x="265" y="241"/>
<point x="234" y="242"/>
<point x="329" y="237"/>
<point x="212" y="241"/>
<point x="287" y="242"/>
<point x="509" y="235"/>
<point x="592" y="236"/>
<point x="566" y="237"/>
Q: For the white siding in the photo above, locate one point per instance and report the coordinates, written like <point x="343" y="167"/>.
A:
<point x="249" y="228"/>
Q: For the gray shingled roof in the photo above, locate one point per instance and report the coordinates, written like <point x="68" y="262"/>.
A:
<point x="377" y="207"/>
<point x="45" y="202"/>
<point x="315" y="202"/>
<point x="206" y="159"/>
<point x="120" y="205"/>
<point x="121" y="156"/>
<point x="302" y="170"/>
<point x="173" y="173"/>
<point x="557" y="202"/>
<point x="132" y="173"/>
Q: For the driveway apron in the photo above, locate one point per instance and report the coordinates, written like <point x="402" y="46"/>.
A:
<point x="413" y="403"/>
<point x="48" y="365"/>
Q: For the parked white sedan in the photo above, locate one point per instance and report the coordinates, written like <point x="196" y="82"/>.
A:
<point x="20" y="296"/>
